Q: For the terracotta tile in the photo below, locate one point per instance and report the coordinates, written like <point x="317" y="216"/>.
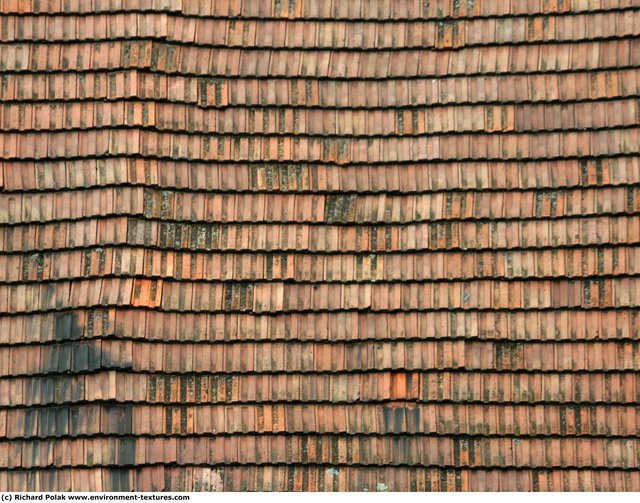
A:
<point x="224" y="231"/>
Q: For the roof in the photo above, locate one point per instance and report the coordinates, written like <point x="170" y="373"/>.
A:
<point x="315" y="245"/>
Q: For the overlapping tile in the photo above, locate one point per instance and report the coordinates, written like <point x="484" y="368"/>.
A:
<point x="329" y="246"/>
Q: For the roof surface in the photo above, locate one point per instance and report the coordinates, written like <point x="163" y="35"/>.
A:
<point x="315" y="245"/>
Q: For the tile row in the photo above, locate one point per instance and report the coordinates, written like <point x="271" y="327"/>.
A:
<point x="394" y="9"/>
<point x="345" y="64"/>
<point x="84" y="6"/>
<point x="99" y="26"/>
<point x="315" y="478"/>
<point x="523" y="325"/>
<point x="552" y="325"/>
<point x="307" y="122"/>
<point x="432" y="34"/>
<point x="269" y="357"/>
<point x="139" y="141"/>
<point x="463" y="235"/>
<point x="137" y="356"/>
<point x="277" y="297"/>
<point x="307" y="9"/>
<point x="396" y="418"/>
<point x="79" y="264"/>
<point x="315" y="208"/>
<point x="306" y="92"/>
<point x="482" y="388"/>
<point x="446" y="89"/>
<point x="329" y="33"/>
<point x="324" y="449"/>
<point x="30" y="176"/>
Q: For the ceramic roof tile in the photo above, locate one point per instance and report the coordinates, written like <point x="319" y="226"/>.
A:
<point x="381" y="245"/>
<point x="325" y="33"/>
